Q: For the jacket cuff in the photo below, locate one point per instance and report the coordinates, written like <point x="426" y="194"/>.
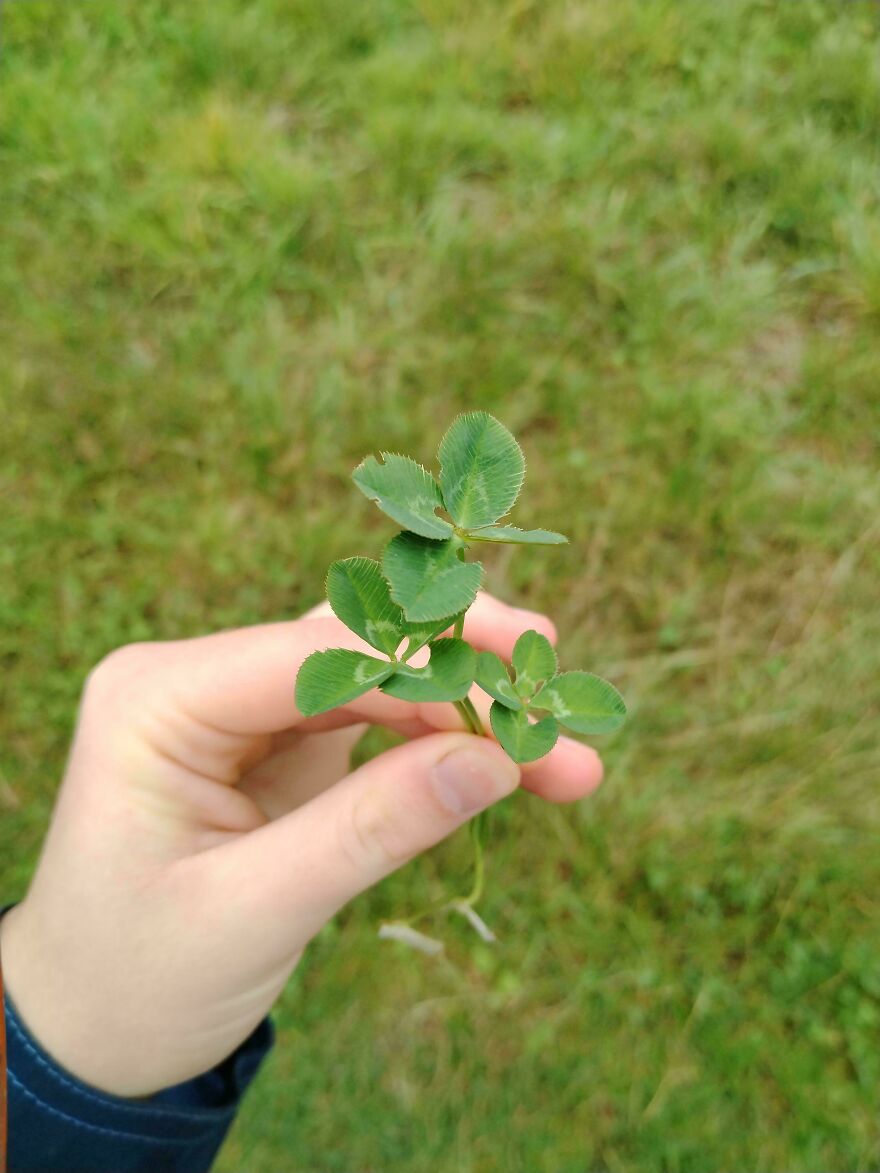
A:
<point x="57" y="1122"/>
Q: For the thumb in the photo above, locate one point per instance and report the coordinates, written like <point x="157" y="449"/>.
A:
<point x="305" y="866"/>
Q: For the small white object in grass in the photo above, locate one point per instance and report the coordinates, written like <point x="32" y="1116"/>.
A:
<point x="399" y="932"/>
<point x="475" y="920"/>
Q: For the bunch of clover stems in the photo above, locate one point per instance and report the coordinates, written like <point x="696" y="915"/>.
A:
<point x="424" y="585"/>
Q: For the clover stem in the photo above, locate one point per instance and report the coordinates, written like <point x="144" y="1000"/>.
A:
<point x="465" y="706"/>
<point x="458" y="629"/>
<point x="467" y="718"/>
<point x="479" y="825"/>
<point x="471" y="716"/>
<point x="479" y="828"/>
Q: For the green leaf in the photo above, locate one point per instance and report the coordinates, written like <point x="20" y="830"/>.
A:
<point x="359" y="596"/>
<point x="583" y="702"/>
<point x="522" y="741"/>
<point x="335" y="677"/>
<point x="427" y="579"/>
<point x="447" y="676"/>
<point x="534" y="662"/>
<point x="515" y="536"/>
<point x="405" y="491"/>
<point x="422" y="633"/>
<point x="481" y="470"/>
<point x="492" y="677"/>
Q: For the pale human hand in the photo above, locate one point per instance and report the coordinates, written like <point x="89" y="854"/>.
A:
<point x="205" y="831"/>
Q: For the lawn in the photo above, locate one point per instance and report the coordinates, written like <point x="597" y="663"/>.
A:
<point x="245" y="242"/>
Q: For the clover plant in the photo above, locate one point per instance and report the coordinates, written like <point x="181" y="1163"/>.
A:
<point x="423" y="587"/>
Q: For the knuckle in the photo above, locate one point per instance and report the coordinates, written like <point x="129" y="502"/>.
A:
<point x="120" y="672"/>
<point x="369" y="837"/>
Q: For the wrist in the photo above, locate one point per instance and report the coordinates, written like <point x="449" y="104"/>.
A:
<point x="22" y="991"/>
<point x="29" y="970"/>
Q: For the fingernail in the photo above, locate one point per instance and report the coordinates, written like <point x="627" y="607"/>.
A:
<point x="468" y="780"/>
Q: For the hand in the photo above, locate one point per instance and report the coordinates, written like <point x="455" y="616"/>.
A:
<point x="204" y="832"/>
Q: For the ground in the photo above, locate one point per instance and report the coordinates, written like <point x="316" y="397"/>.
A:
<point x="243" y="245"/>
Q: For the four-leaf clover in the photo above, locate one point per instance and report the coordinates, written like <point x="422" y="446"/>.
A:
<point x="481" y="473"/>
<point x="360" y="597"/>
<point x="579" y="701"/>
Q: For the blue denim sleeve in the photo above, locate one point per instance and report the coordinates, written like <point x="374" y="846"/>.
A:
<point x="59" y="1125"/>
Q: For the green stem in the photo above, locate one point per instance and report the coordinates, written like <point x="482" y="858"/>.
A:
<point x="471" y="716"/>
<point x="479" y="829"/>
<point x="458" y="629"/>
<point x="479" y="825"/>
<point x="470" y="725"/>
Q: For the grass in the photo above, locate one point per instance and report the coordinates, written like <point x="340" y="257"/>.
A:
<point x="243" y="245"/>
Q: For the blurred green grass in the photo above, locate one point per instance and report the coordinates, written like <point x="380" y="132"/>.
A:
<point x="244" y="244"/>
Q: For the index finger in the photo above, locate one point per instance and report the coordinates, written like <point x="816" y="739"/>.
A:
<point x="242" y="681"/>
